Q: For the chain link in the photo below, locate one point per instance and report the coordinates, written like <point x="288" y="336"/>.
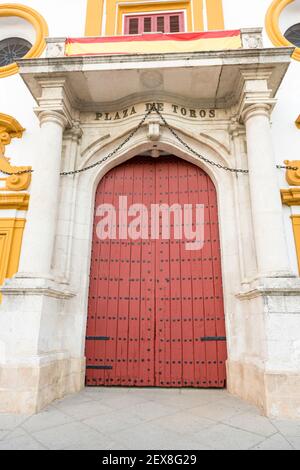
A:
<point x="111" y="154"/>
<point x="188" y="147"/>
<point x="21" y="172"/>
<point x="284" y="167"/>
<point x="152" y="108"/>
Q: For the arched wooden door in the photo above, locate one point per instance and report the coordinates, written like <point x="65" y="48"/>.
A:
<point x="156" y="313"/>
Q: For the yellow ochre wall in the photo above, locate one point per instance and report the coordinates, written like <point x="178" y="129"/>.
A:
<point x="115" y="9"/>
<point x="296" y="228"/>
<point x="11" y="233"/>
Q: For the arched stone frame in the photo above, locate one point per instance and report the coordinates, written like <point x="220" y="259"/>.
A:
<point x="85" y="188"/>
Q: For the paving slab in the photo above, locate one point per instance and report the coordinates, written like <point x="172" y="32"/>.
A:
<point x="276" y="442"/>
<point x="148" y="419"/>
<point x="49" y="418"/>
<point x="252" y="423"/>
<point x="223" y="437"/>
<point x="72" y="436"/>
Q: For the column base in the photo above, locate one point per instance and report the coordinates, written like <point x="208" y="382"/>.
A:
<point x="31" y="284"/>
<point x="275" y="393"/>
<point x="270" y="286"/>
<point x="263" y="366"/>
<point x="36" y="360"/>
<point x="28" y="388"/>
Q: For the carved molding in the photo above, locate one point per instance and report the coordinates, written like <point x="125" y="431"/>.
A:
<point x="252" y="38"/>
<point x="10" y="129"/>
<point x="290" y="197"/>
<point x="293" y="176"/>
<point x="154" y="129"/>
<point x="17" y="201"/>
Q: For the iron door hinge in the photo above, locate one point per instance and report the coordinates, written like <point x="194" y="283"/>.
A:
<point x="99" y="367"/>
<point x="97" y="338"/>
<point x="213" y="338"/>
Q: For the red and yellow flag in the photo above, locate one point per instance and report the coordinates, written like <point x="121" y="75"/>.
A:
<point x="154" y="43"/>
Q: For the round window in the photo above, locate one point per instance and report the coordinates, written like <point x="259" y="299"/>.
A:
<point x="12" y="49"/>
<point x="293" y="34"/>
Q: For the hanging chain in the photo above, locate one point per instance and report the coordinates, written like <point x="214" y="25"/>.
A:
<point x="111" y="154"/>
<point x="21" y="172"/>
<point x="188" y="147"/>
<point x="153" y="108"/>
<point x="287" y="167"/>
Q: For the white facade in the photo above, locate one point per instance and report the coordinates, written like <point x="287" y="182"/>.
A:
<point x="44" y="308"/>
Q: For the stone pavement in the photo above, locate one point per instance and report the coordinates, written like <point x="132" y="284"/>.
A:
<point x="115" y="418"/>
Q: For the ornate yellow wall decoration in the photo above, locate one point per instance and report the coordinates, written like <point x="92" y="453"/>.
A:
<point x="11" y="233"/>
<point x="39" y="24"/>
<point x="272" y="25"/>
<point x="296" y="229"/>
<point x="11" y="228"/>
<point x="9" y="129"/>
<point x="293" y="176"/>
<point x="115" y="9"/>
<point x="290" y="197"/>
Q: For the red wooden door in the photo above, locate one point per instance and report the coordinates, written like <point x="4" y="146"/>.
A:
<point x="156" y="314"/>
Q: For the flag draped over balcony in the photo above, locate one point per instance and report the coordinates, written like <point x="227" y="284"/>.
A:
<point x="154" y="43"/>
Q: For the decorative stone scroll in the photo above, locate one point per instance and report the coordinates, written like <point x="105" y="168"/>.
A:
<point x="9" y="129"/>
<point x="293" y="176"/>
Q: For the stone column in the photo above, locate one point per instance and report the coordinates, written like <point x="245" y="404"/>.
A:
<point x="37" y="360"/>
<point x="271" y="247"/>
<point x="38" y="243"/>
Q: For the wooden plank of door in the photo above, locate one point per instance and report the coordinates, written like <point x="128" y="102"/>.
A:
<point x="175" y="288"/>
<point x="147" y="320"/>
<point x="113" y="285"/>
<point x="218" y="292"/>
<point x="102" y="283"/>
<point x="210" y="314"/>
<point x="186" y="289"/>
<point x="124" y="290"/>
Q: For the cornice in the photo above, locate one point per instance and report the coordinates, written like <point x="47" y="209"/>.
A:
<point x="291" y="196"/>
<point x="17" y="201"/>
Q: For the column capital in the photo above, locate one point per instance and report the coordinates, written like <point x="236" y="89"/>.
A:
<point x="50" y="115"/>
<point x="256" y="109"/>
<point x="75" y="132"/>
<point x="235" y="128"/>
<point x="55" y="98"/>
<point x="256" y="92"/>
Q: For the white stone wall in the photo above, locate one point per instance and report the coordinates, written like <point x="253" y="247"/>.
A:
<point x="16" y="27"/>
